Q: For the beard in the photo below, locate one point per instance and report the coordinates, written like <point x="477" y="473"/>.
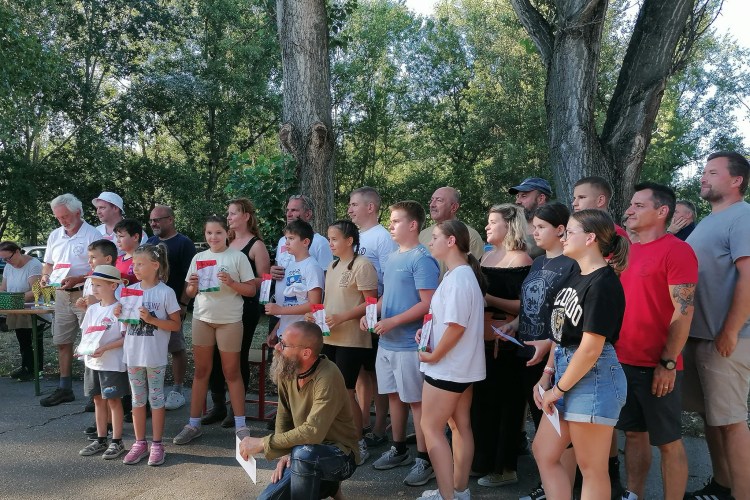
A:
<point x="284" y="369"/>
<point x="529" y="212"/>
<point x="712" y="196"/>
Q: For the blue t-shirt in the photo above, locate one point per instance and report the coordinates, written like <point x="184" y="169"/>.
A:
<point x="180" y="252"/>
<point x="404" y="274"/>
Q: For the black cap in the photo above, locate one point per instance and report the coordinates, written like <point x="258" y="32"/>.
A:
<point x="532" y="184"/>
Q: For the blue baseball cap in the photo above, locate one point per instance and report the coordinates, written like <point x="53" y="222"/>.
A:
<point x="532" y="184"/>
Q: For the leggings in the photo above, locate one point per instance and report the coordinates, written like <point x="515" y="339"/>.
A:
<point x="147" y="383"/>
<point x="27" y="350"/>
<point x="250" y="318"/>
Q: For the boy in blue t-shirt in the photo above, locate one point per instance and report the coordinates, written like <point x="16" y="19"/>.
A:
<point x="410" y="278"/>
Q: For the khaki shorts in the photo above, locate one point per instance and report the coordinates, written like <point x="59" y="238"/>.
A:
<point x="714" y="385"/>
<point x="176" y="341"/>
<point x="227" y="336"/>
<point x="68" y="317"/>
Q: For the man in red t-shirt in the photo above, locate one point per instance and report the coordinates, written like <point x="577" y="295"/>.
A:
<point x="659" y="286"/>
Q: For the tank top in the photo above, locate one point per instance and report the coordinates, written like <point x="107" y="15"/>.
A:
<point x="254" y="299"/>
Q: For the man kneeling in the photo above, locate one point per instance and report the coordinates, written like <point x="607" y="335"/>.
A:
<point x="315" y="433"/>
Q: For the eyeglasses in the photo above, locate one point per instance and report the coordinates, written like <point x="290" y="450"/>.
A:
<point x="284" y="346"/>
<point x="568" y="232"/>
<point x="151" y="221"/>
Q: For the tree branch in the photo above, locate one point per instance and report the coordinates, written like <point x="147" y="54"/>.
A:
<point x="537" y="27"/>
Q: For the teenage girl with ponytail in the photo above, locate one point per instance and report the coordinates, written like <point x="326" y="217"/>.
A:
<point x="587" y="384"/>
<point x="350" y="279"/>
<point x="453" y="360"/>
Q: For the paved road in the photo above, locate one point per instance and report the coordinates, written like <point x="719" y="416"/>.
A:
<point x="40" y="459"/>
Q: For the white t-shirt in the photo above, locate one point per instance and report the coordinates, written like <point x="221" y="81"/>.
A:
<point x="73" y="250"/>
<point x="458" y="300"/>
<point x="225" y="305"/>
<point x="299" y="278"/>
<point x="110" y="361"/>
<point x="319" y="249"/>
<point x="146" y="345"/>
<point x="376" y="244"/>
<point x="102" y="228"/>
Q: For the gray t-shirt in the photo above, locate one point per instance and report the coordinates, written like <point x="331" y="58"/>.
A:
<point x="718" y="241"/>
<point x="17" y="280"/>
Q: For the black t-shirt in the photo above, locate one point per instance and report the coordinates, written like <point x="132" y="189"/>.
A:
<point x="592" y="303"/>
<point x="180" y="252"/>
<point x="537" y="294"/>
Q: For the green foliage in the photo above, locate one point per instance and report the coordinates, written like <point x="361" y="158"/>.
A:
<point x="268" y="183"/>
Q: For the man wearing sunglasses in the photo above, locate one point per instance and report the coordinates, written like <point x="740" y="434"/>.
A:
<point x="315" y="437"/>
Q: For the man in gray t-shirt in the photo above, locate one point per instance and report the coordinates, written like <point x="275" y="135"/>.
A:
<point x="716" y="358"/>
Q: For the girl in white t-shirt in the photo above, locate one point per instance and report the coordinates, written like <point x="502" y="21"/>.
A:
<point x="218" y="278"/>
<point x="145" y="348"/>
<point x="453" y="359"/>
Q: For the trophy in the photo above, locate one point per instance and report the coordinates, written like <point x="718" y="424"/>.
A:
<point x="47" y="292"/>
<point x="36" y="289"/>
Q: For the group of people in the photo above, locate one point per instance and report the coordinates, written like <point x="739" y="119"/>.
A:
<point x="567" y="314"/>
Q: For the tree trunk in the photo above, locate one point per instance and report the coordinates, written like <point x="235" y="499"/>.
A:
<point x="570" y="51"/>
<point x="307" y="131"/>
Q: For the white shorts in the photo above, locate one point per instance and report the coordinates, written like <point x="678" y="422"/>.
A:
<point x="398" y="371"/>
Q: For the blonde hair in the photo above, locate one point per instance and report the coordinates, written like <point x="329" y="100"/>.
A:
<point x="515" y="219"/>
<point x="156" y="253"/>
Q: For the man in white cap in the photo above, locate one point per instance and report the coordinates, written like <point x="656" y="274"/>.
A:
<point x="109" y="209"/>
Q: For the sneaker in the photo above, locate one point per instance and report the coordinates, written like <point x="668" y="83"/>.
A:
<point x="363" y="453"/>
<point x="711" y="490"/>
<point x="114" y="451"/>
<point x="372" y="440"/>
<point x="157" y="455"/>
<point x="391" y="459"/>
<point x="629" y="495"/>
<point x="458" y="495"/>
<point x="93" y="448"/>
<point x="536" y="494"/>
<point x="174" y="400"/>
<point x="59" y="396"/>
<point x="187" y="434"/>
<point x="92" y="434"/>
<point x="420" y="473"/>
<point x="435" y="495"/>
<point x="136" y="453"/>
<point x="494" y="479"/>
<point x="90" y="406"/>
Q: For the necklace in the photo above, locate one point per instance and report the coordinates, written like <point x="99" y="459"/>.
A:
<point x="307" y="373"/>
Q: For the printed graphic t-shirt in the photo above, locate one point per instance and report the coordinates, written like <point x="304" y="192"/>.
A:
<point x="146" y="345"/>
<point x="592" y="303"/>
<point x="125" y="266"/>
<point x="299" y="278"/>
<point x="344" y="292"/>
<point x="103" y="316"/>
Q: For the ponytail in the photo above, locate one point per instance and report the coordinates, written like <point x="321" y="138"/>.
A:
<point x="349" y="230"/>
<point x="619" y="248"/>
<point x="477" y="268"/>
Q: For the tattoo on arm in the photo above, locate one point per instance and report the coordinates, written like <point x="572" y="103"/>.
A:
<point x="684" y="295"/>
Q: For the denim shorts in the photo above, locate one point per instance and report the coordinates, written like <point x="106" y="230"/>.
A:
<point x="600" y="394"/>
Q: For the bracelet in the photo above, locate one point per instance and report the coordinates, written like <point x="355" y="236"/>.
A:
<point x="549" y="370"/>
<point x="558" y="388"/>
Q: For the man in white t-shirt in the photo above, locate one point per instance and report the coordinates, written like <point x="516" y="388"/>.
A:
<point x="376" y="244"/>
<point x="66" y="262"/>
<point x="110" y="212"/>
<point x="298" y="207"/>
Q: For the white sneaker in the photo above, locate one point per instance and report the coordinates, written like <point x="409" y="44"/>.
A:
<point x="174" y="400"/>
<point x="363" y="453"/>
<point x="458" y="495"/>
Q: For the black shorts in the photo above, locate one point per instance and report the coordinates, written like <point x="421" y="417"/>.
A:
<point x="457" y="387"/>
<point x="644" y="412"/>
<point x="108" y="385"/>
<point x="349" y="360"/>
<point x="370" y="361"/>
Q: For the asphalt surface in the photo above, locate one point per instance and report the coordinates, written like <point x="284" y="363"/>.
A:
<point x="40" y="459"/>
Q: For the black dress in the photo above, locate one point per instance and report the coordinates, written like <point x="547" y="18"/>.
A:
<point x="498" y="403"/>
<point x="250" y="318"/>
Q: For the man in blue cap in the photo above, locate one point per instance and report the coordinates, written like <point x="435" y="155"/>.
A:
<point x="531" y="194"/>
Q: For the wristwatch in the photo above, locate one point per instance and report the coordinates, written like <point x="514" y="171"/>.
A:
<point x="668" y="364"/>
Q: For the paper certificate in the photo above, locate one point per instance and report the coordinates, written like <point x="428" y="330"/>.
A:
<point x="249" y="464"/>
<point x="320" y="318"/>
<point x="265" y="289"/>
<point x="424" y="339"/>
<point x="555" y="417"/>
<point x="506" y="337"/>
<point x="59" y="273"/>
<point x="371" y="313"/>
<point x="90" y="341"/>
<point x="131" y="301"/>
<point x="208" y="281"/>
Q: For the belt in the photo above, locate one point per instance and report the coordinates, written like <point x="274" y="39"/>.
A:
<point x="69" y="290"/>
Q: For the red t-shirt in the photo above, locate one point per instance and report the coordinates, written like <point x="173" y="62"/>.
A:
<point x="125" y="266"/>
<point x="652" y="267"/>
<point x="621" y="232"/>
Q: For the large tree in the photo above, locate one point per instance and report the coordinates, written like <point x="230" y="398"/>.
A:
<point x="568" y="36"/>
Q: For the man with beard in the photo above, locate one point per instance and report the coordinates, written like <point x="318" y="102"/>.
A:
<point x="717" y="354"/>
<point x="315" y="437"/>
<point x="531" y="194"/>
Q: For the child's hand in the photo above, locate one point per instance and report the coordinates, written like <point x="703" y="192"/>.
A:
<point x="91" y="300"/>
<point x="225" y="278"/>
<point x="363" y="324"/>
<point x="309" y="317"/>
<point x="81" y="303"/>
<point x="193" y="280"/>
<point x="145" y="315"/>
<point x="272" y="308"/>
<point x="418" y="336"/>
<point x="98" y="353"/>
<point x="117" y="310"/>
<point x="333" y="320"/>
<point x="272" y="339"/>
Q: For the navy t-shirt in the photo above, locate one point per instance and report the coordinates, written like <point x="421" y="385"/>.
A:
<point x="180" y="252"/>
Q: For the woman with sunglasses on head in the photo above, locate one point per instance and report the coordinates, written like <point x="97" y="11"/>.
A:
<point x="588" y="386"/>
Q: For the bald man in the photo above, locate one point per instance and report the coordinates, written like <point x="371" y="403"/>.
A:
<point x="443" y="206"/>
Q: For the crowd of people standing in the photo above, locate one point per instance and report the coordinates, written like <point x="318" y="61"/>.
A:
<point x="568" y="314"/>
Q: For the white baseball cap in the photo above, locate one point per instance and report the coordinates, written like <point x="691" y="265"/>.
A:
<point x="112" y="198"/>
